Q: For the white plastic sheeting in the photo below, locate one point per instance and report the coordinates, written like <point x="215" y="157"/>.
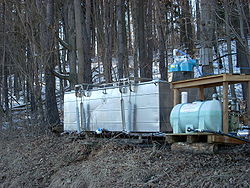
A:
<point x="140" y="107"/>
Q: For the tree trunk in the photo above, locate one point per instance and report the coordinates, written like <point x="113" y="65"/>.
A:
<point x="122" y="42"/>
<point x="186" y="38"/>
<point x="71" y="36"/>
<point x="243" y="53"/>
<point x="83" y="46"/>
<point x="52" y="114"/>
<point x="130" y="49"/>
<point x="3" y="63"/>
<point x="87" y="42"/>
<point x="5" y="88"/>
<point x="163" y="61"/>
<point x="149" y="40"/>
<point x="186" y="30"/>
<point x="136" y="38"/>
<point x="108" y="35"/>
<point x="198" y="18"/>
<point x="229" y="48"/>
<point x="207" y="36"/>
<point x="141" y="38"/>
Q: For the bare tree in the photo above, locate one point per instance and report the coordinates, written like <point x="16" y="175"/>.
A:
<point x="162" y="38"/>
<point x="52" y="114"/>
<point x="207" y="28"/>
<point x="122" y="40"/>
<point x="83" y="45"/>
<point x="71" y="38"/>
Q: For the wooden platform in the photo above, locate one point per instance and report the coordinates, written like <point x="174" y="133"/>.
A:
<point x="211" y="81"/>
<point x="201" y="138"/>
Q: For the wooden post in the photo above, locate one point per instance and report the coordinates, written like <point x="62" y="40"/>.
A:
<point x="225" y="107"/>
<point x="176" y="96"/>
<point x="201" y="93"/>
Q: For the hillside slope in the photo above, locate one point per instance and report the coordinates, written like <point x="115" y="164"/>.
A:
<point x="51" y="161"/>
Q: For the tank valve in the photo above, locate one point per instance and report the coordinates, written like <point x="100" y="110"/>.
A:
<point x="189" y="129"/>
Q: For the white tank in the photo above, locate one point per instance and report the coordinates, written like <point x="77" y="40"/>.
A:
<point x="205" y="115"/>
<point x="131" y="107"/>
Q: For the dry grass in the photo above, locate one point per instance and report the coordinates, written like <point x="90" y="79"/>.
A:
<point x="51" y="161"/>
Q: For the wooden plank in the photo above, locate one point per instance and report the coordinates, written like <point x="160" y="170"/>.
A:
<point x="223" y="139"/>
<point x="225" y="107"/>
<point x="201" y="93"/>
<point x="176" y="96"/>
<point x="192" y="138"/>
<point x="189" y="138"/>
<point x="170" y="139"/>
<point x="194" y="147"/>
<point x="197" y="79"/>
<point x="210" y="81"/>
<point x="173" y="139"/>
<point x="236" y="78"/>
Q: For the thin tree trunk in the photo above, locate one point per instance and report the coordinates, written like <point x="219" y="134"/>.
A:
<point x="5" y="88"/>
<point x="71" y="30"/>
<point x="186" y="38"/>
<point x="208" y="9"/>
<point x="229" y="48"/>
<point x="136" y="40"/>
<point x="141" y="38"/>
<point x="243" y="53"/>
<point x="130" y="50"/>
<point x="162" y="42"/>
<point x="198" y="18"/>
<point x="108" y="36"/>
<point x="79" y="39"/>
<point x="122" y="44"/>
<point x="3" y="60"/>
<point x="52" y="114"/>
<point x="83" y="46"/>
<point x="149" y="40"/>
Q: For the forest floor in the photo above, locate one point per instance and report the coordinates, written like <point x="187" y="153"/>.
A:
<point x="47" y="160"/>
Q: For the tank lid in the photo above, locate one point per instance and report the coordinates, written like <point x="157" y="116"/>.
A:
<point x="215" y="96"/>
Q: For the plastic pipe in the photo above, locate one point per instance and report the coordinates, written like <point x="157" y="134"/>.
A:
<point x="184" y="97"/>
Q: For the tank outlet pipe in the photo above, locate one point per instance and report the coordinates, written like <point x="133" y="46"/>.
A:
<point x="189" y="129"/>
<point x="184" y="97"/>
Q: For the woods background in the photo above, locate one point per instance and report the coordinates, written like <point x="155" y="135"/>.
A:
<point x="48" y="46"/>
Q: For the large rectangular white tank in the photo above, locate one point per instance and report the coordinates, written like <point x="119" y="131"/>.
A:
<point x="131" y="107"/>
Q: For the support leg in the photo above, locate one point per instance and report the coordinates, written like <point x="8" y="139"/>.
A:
<point x="176" y="96"/>
<point x="225" y="107"/>
<point x="201" y="93"/>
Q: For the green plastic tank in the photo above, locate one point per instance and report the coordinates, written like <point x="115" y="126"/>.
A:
<point x="205" y="115"/>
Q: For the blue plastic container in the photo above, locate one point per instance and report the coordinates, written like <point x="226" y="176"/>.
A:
<point x="187" y="65"/>
<point x="174" y="67"/>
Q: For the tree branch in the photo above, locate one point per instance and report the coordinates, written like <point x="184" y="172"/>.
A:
<point x="61" y="76"/>
<point x="64" y="44"/>
<point x="224" y="56"/>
